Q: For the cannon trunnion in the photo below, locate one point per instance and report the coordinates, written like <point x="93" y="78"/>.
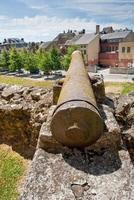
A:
<point x="76" y="121"/>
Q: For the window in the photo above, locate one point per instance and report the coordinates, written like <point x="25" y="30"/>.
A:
<point x="128" y="49"/>
<point x="123" y="49"/>
<point x="112" y="48"/>
<point x="116" y="48"/>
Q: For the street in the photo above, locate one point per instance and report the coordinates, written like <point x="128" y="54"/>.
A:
<point x="114" y="77"/>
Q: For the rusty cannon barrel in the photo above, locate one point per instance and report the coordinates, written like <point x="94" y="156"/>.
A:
<point x="76" y="121"/>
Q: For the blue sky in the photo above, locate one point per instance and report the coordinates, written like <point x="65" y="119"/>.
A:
<point x="37" y="20"/>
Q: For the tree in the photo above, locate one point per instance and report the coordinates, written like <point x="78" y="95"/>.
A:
<point x="39" y="56"/>
<point x="15" y="61"/>
<point x="45" y="63"/>
<point x="67" y="58"/>
<point x="48" y="61"/>
<point x="55" y="59"/>
<point x="23" y="55"/>
<point x="5" y="59"/>
<point x="30" y="62"/>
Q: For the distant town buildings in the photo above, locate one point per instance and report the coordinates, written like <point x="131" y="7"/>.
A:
<point x="113" y="48"/>
<point x="89" y="44"/>
<point x="117" y="49"/>
<point x="107" y="47"/>
<point x="13" y="42"/>
<point x="60" y="40"/>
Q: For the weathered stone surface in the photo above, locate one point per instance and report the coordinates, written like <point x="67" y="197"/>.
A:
<point x="56" y="92"/>
<point x="46" y="140"/>
<point x="103" y="171"/>
<point x="124" y="104"/>
<point x="79" y="175"/>
<point x="98" y="87"/>
<point x="112" y="130"/>
<point x="10" y="91"/>
<point x="125" y="116"/>
<point x="22" y="112"/>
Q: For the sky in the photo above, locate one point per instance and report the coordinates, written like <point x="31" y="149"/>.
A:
<point x="42" y="20"/>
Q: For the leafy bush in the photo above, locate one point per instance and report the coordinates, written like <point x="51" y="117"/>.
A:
<point x="4" y="60"/>
<point x="15" y="61"/>
<point x="67" y="58"/>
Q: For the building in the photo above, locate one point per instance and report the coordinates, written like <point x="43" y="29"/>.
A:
<point x="117" y="51"/>
<point x="126" y="51"/>
<point x="13" y="42"/>
<point x="59" y="41"/>
<point x="89" y="44"/>
<point x="109" y="47"/>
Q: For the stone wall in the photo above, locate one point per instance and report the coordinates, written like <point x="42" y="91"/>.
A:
<point x="103" y="171"/>
<point x="121" y="70"/>
<point x="24" y="109"/>
<point x="22" y="112"/>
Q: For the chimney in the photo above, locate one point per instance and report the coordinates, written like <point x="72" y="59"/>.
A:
<point x="97" y="29"/>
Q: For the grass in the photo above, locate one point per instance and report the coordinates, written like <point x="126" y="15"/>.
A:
<point x="128" y="87"/>
<point x="12" y="168"/>
<point x="123" y="88"/>
<point x="25" y="82"/>
<point x="114" y="87"/>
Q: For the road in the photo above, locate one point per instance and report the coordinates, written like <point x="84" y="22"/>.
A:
<point x="105" y="72"/>
<point x="114" y="77"/>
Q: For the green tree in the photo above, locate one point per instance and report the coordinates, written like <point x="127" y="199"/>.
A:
<point x="30" y="62"/>
<point x="23" y="55"/>
<point x="15" y="61"/>
<point x="45" y="63"/>
<point x="55" y="59"/>
<point x="67" y="58"/>
<point x="39" y="56"/>
<point x="5" y="59"/>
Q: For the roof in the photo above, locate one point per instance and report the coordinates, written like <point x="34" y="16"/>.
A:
<point x="115" y="35"/>
<point x="13" y="41"/>
<point x="45" y="44"/>
<point x="86" y="38"/>
<point x="129" y="38"/>
<point x="73" y="40"/>
<point x="65" y="36"/>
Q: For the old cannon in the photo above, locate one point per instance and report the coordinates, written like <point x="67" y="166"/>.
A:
<point x="76" y="121"/>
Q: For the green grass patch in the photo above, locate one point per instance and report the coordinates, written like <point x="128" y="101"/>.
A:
<point x="12" y="168"/>
<point x="125" y="87"/>
<point x="25" y="82"/>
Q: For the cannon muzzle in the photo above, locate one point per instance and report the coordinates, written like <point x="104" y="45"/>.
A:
<point x="76" y="121"/>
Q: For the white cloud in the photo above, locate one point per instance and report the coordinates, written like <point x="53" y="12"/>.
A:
<point x="3" y="17"/>
<point x="117" y="10"/>
<point x="44" y="28"/>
